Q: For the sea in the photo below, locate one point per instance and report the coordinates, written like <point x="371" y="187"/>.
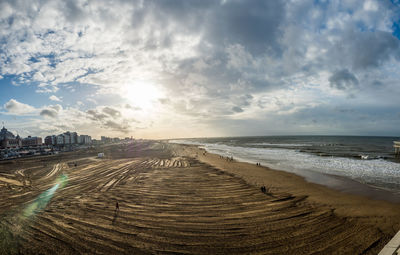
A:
<point x="363" y="159"/>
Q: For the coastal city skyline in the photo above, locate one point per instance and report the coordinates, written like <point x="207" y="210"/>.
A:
<point x="9" y="140"/>
<point x="169" y="69"/>
<point x="28" y="133"/>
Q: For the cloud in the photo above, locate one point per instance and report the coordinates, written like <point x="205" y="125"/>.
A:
<point x="112" y="112"/>
<point x="211" y="59"/>
<point x="366" y="49"/>
<point x="117" y="119"/>
<point x="56" y="107"/>
<point x="255" y="25"/>
<point x="51" y="111"/>
<point x="46" y="88"/>
<point x="237" y="109"/>
<point x="95" y="115"/>
<point x="16" y="108"/>
<point x="55" y="98"/>
<point x="121" y="127"/>
<point x="128" y="106"/>
<point x="343" y="80"/>
<point x="91" y="100"/>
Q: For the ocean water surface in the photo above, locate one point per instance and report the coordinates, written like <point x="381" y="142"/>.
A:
<point x="368" y="160"/>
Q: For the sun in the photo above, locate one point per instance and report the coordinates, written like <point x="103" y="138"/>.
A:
<point x="142" y="94"/>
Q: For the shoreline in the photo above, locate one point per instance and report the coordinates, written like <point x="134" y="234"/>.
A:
<point x="337" y="182"/>
<point x="340" y="183"/>
<point x="368" y="207"/>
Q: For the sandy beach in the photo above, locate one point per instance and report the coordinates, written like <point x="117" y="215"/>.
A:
<point x="384" y="205"/>
<point x="176" y="199"/>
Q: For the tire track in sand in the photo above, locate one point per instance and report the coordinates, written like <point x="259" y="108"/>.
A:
<point x="167" y="208"/>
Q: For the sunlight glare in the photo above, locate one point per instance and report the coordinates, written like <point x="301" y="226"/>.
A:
<point x="142" y="94"/>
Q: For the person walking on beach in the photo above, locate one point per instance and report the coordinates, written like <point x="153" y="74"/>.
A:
<point x="115" y="212"/>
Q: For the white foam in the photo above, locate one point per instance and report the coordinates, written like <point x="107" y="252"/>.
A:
<point x="280" y="144"/>
<point x="185" y="142"/>
<point x="368" y="171"/>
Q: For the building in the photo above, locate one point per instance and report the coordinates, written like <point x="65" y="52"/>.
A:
<point x="96" y="142"/>
<point x="67" y="138"/>
<point x="31" y="141"/>
<point x="85" y="139"/>
<point x="8" y="140"/>
<point x="70" y="138"/>
<point x="74" y="137"/>
<point x="60" y="140"/>
<point x="50" y="140"/>
<point x="105" y="139"/>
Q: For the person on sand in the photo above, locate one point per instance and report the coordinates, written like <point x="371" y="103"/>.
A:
<point x="116" y="212"/>
<point x="264" y="189"/>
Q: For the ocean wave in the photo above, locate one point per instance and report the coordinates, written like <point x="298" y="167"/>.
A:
<point x="185" y="142"/>
<point x="279" y="144"/>
<point x="295" y="161"/>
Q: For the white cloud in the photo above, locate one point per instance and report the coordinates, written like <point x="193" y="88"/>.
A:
<point x="206" y="57"/>
<point x="91" y="100"/>
<point x="51" y="111"/>
<point x="371" y="5"/>
<point x="55" y="98"/>
<point x="14" y="107"/>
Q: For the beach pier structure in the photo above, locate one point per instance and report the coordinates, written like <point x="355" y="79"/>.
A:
<point x="393" y="247"/>
<point x="396" y="145"/>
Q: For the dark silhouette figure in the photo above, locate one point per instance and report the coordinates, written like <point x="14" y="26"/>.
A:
<point x="115" y="212"/>
<point x="263" y="189"/>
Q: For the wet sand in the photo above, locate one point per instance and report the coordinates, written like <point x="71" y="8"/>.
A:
<point x="172" y="202"/>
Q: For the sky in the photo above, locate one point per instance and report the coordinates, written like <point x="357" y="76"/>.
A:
<point x="200" y="68"/>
